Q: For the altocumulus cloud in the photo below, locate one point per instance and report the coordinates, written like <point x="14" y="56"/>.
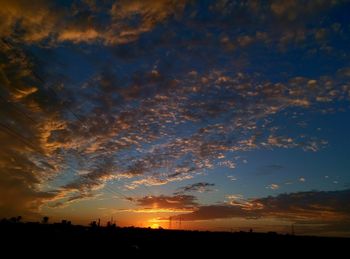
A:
<point x="155" y="123"/>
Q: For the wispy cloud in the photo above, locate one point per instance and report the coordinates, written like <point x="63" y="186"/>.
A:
<point x="196" y="187"/>
<point x="273" y="186"/>
<point x="165" y="203"/>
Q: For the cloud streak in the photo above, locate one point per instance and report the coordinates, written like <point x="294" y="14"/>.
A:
<point x="314" y="208"/>
<point x="196" y="187"/>
<point x="163" y="203"/>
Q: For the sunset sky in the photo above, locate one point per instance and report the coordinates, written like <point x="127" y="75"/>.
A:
<point x="224" y="115"/>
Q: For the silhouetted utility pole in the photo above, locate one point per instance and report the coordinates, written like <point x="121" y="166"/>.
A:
<point x="99" y="222"/>
<point x="170" y="219"/>
<point x="293" y="233"/>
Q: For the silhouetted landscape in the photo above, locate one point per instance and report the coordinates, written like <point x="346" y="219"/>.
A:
<point x="65" y="236"/>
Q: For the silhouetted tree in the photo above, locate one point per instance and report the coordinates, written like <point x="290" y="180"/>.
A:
<point x="93" y="224"/>
<point x="66" y="222"/>
<point x="16" y="219"/>
<point x="45" y="220"/>
<point x="111" y="225"/>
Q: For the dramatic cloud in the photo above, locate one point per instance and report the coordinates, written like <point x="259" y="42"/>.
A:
<point x="84" y="21"/>
<point x="24" y="161"/>
<point x="147" y="93"/>
<point x="314" y="208"/>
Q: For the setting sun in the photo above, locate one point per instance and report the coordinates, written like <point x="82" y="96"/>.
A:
<point x="155" y="226"/>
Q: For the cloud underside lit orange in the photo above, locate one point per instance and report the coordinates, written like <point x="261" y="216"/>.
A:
<point x="161" y="107"/>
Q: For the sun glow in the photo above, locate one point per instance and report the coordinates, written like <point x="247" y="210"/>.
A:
<point x="155" y="226"/>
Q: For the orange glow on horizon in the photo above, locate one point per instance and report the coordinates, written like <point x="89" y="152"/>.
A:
<point x="155" y="226"/>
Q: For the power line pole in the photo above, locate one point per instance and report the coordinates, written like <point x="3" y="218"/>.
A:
<point x="170" y="219"/>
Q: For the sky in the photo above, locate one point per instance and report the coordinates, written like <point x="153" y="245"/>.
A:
<point x="210" y="115"/>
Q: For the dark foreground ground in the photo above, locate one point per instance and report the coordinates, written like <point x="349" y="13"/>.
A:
<point x="112" y="242"/>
